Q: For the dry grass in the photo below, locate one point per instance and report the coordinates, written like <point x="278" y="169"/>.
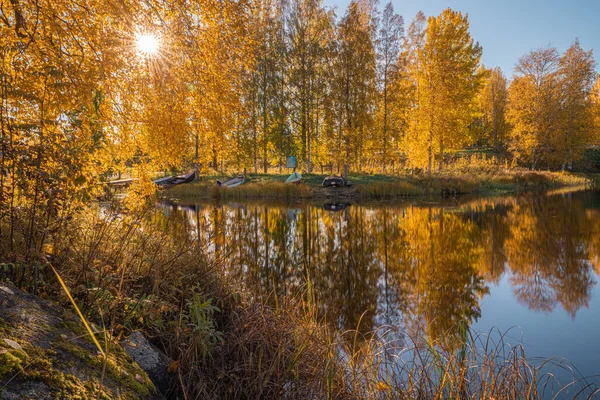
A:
<point x="395" y="365"/>
<point x="265" y="190"/>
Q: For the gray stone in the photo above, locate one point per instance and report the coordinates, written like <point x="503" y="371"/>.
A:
<point x="150" y="359"/>
<point x="6" y="290"/>
<point x="13" y="344"/>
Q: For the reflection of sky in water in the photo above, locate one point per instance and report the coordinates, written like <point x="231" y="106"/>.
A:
<point x="544" y="334"/>
<point x="525" y="266"/>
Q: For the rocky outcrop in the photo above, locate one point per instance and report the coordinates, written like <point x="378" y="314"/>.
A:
<point x="150" y="359"/>
<point x="45" y="353"/>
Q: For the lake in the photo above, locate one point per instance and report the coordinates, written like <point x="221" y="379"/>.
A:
<point x="527" y="266"/>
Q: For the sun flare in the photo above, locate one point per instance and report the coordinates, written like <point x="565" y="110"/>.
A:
<point x="147" y="44"/>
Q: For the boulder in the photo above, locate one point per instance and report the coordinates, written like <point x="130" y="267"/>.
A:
<point x="46" y="353"/>
<point x="153" y="361"/>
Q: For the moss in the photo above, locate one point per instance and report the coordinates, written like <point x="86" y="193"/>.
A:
<point x="4" y="326"/>
<point x="64" y="385"/>
<point x="74" y="327"/>
<point x="9" y="364"/>
<point x="119" y="367"/>
<point x="75" y="350"/>
<point x="20" y="354"/>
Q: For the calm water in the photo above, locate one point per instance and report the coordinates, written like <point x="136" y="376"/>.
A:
<point x="529" y="265"/>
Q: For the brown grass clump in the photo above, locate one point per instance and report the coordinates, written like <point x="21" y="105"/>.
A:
<point x="395" y="365"/>
<point x="265" y="190"/>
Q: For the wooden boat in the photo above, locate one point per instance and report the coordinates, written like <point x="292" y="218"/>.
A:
<point x="336" y="181"/>
<point x="164" y="181"/>
<point x="170" y="181"/>
<point x="123" y="182"/>
<point x="186" y="178"/>
<point x="295" y="177"/>
<point x="237" y="181"/>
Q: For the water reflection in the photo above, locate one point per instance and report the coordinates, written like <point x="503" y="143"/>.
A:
<point x="425" y="268"/>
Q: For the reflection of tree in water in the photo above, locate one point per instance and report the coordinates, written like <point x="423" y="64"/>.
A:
<point x="420" y="268"/>
<point x="340" y="257"/>
<point x="548" y="253"/>
<point x="493" y="230"/>
<point x="443" y="254"/>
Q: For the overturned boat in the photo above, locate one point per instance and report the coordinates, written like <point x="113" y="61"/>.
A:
<point x="163" y="181"/>
<point x="295" y="177"/>
<point x="186" y="178"/>
<point x="336" y="181"/>
<point x="169" y="181"/>
<point x="237" y="181"/>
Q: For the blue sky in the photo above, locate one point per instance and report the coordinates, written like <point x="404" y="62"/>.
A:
<point x="507" y="29"/>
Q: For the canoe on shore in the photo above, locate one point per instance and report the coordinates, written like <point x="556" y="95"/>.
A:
<point x="237" y="181"/>
<point x="295" y="177"/>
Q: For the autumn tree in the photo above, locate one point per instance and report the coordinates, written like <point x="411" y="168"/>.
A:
<point x="534" y="107"/>
<point x="576" y="75"/>
<point x="596" y="109"/>
<point x="53" y="113"/>
<point x="389" y="45"/>
<point x="493" y="100"/>
<point x="264" y="92"/>
<point x="448" y="83"/>
<point x="309" y="27"/>
<point x="357" y="64"/>
<point x="410" y="69"/>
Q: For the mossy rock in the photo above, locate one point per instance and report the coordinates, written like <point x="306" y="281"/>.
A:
<point x="9" y="364"/>
<point x="57" y="359"/>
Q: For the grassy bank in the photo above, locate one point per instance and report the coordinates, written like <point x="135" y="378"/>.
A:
<point x="378" y="187"/>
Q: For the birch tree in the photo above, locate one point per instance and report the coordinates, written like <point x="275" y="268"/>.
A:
<point x="389" y="45"/>
<point x="577" y="74"/>
<point x="534" y="107"/>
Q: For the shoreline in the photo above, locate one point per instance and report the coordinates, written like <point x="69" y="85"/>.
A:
<point x="381" y="187"/>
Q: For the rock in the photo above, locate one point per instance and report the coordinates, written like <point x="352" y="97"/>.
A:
<point x="153" y="361"/>
<point x="6" y="290"/>
<point x="13" y="344"/>
<point x="66" y="365"/>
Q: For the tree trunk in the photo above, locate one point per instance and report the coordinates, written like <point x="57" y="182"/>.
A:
<point x="254" y="149"/>
<point x="495" y="122"/>
<point x="441" y="154"/>
<point x="430" y="139"/>
<point x="385" y="112"/>
<point x="564" y="163"/>
<point x="214" y="158"/>
<point x="196" y="169"/>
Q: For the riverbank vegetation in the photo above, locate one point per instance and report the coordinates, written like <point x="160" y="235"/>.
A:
<point x="456" y="180"/>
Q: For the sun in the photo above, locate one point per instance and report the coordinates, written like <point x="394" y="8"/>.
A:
<point x="147" y="44"/>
